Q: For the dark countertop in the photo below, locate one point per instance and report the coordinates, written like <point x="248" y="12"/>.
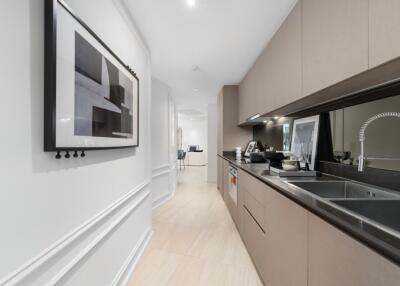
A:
<point x="381" y="238"/>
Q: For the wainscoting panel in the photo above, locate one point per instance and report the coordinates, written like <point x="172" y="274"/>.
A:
<point x="79" y="257"/>
<point x="161" y="185"/>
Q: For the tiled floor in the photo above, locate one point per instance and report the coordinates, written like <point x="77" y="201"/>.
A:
<point x="195" y="241"/>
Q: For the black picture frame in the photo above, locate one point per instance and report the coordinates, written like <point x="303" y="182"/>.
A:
<point x="50" y="78"/>
<point x="249" y="148"/>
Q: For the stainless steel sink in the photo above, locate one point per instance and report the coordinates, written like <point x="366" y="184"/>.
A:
<point x="385" y="212"/>
<point x="343" y="190"/>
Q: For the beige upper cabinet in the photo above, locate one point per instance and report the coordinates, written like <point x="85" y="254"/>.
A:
<point x="335" y="41"/>
<point x="250" y="91"/>
<point x="286" y="241"/>
<point x="275" y="78"/>
<point x="384" y="31"/>
<point x="229" y="134"/>
<point x="283" y="64"/>
<point x="337" y="259"/>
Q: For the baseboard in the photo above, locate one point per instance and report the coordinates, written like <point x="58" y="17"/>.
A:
<point x="123" y="275"/>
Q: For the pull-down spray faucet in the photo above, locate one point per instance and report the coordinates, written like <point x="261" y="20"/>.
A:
<point x="362" y="158"/>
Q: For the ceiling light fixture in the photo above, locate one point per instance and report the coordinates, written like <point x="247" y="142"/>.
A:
<point x="191" y="3"/>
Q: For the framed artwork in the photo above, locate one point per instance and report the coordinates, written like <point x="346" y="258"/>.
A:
<point x="305" y="140"/>
<point x="249" y="148"/>
<point x="91" y="96"/>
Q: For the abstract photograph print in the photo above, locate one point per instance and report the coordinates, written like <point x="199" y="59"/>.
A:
<point x="103" y="95"/>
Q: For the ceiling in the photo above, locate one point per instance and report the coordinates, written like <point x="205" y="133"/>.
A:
<point x="196" y="50"/>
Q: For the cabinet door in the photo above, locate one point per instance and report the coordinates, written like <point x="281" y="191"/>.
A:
<point x="337" y="259"/>
<point x="384" y="31"/>
<point x="230" y="204"/>
<point x="254" y="238"/>
<point x="248" y="103"/>
<point x="335" y="42"/>
<point x="220" y="175"/>
<point x="225" y="178"/>
<point x="286" y="241"/>
<point x="283" y="59"/>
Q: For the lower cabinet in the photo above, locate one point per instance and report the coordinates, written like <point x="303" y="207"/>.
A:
<point x="275" y="233"/>
<point x="230" y="203"/>
<point x="220" y="179"/>
<point x="290" y="246"/>
<point x="225" y="178"/>
<point x="286" y="241"/>
<point x="252" y="210"/>
<point x="254" y="238"/>
<point x="337" y="259"/>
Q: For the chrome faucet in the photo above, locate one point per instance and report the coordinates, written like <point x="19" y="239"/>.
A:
<point x="362" y="158"/>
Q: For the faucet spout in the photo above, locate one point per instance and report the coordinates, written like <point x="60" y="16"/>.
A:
<point x="361" y="137"/>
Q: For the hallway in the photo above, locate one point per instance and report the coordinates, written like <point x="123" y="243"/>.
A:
<point x="195" y="241"/>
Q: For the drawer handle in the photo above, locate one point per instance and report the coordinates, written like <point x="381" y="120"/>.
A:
<point x="254" y="219"/>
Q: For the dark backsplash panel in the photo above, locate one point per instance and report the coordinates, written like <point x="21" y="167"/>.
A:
<point x="271" y="136"/>
<point x="271" y="133"/>
<point x="378" y="177"/>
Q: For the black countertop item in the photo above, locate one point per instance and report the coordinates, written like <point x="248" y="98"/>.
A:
<point x="384" y="239"/>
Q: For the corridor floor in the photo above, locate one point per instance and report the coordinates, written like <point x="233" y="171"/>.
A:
<point x="195" y="241"/>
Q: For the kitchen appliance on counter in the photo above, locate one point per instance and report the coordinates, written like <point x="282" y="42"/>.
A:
<point x="274" y="158"/>
<point x="257" y="157"/>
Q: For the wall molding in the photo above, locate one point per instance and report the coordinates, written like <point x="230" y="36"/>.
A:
<point x="160" y="169"/>
<point x="159" y="174"/>
<point x="87" y="250"/>
<point x="36" y="262"/>
<point x="123" y="275"/>
<point x="158" y="202"/>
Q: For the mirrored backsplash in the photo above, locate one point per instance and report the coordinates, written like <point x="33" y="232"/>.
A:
<point x="382" y="137"/>
<point x="276" y="133"/>
<point x="339" y="132"/>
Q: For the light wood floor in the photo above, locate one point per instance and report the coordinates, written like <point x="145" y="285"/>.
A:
<point x="195" y="242"/>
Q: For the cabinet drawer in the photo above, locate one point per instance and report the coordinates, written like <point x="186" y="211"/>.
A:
<point x="256" y="210"/>
<point x="255" y="187"/>
<point x="254" y="239"/>
<point x="232" y="208"/>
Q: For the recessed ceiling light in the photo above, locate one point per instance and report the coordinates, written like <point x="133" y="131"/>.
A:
<point x="276" y="117"/>
<point x="191" y="3"/>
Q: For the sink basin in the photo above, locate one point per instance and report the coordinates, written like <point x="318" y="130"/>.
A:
<point x="343" y="190"/>
<point x="385" y="212"/>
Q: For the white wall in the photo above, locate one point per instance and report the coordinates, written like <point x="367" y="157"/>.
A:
<point x="194" y="132"/>
<point x="163" y="143"/>
<point x="80" y="221"/>
<point x="212" y="131"/>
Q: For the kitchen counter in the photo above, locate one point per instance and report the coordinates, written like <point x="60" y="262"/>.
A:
<point x="382" y="238"/>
